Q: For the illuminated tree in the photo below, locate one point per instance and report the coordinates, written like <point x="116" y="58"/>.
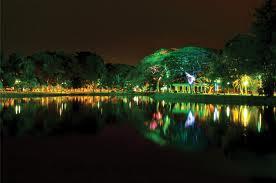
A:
<point x="193" y="60"/>
<point x="169" y="65"/>
<point x="151" y="70"/>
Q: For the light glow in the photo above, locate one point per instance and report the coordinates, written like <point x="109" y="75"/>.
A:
<point x="190" y="120"/>
<point x="190" y="78"/>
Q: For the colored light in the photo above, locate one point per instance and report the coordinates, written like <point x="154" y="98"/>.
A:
<point x="153" y="125"/>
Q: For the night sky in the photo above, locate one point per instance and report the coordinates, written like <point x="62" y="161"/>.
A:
<point x="122" y="31"/>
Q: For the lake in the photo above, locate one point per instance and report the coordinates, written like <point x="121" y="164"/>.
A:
<point x="135" y="139"/>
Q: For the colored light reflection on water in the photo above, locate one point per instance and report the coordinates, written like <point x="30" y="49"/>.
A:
<point x="191" y="126"/>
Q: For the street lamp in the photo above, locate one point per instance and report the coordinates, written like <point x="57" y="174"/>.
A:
<point x="228" y="83"/>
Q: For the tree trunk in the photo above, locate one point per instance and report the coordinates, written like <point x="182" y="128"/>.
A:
<point x="157" y="84"/>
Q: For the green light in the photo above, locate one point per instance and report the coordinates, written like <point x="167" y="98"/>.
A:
<point x="17" y="81"/>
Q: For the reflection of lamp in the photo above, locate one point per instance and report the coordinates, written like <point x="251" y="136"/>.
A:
<point x="17" y="109"/>
<point x="190" y="120"/>
<point x="228" y="111"/>
<point x="157" y="115"/>
<point x="245" y="116"/>
<point x="153" y="125"/>
<point x="216" y="114"/>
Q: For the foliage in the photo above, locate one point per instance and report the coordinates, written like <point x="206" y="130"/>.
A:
<point x="169" y="65"/>
<point x="52" y="69"/>
<point x="117" y="75"/>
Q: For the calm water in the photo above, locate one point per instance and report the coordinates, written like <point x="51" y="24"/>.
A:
<point x="237" y="136"/>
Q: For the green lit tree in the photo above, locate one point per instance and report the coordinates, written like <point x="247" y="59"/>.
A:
<point x="151" y="70"/>
<point x="167" y="66"/>
<point x="193" y="60"/>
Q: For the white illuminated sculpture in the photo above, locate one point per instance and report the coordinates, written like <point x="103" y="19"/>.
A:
<point x="190" y="78"/>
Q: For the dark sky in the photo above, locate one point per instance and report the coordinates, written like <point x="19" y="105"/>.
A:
<point x="122" y="31"/>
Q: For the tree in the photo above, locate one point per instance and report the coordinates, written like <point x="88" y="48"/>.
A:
<point x="117" y="75"/>
<point x="11" y="69"/>
<point x="26" y="74"/>
<point x="193" y="60"/>
<point x="238" y="58"/>
<point x="1" y="70"/>
<point x="90" y="68"/>
<point x="48" y="68"/>
<point x="264" y="27"/>
<point x="169" y="65"/>
<point x="152" y="69"/>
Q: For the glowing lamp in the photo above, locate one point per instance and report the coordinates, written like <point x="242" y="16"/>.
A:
<point x="218" y="81"/>
<point x="245" y="83"/>
<point x="17" y="81"/>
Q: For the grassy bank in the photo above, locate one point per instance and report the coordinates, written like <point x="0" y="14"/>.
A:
<point x="56" y="94"/>
<point x="215" y="99"/>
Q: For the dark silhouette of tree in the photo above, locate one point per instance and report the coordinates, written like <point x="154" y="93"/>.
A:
<point x="264" y="27"/>
<point x="116" y="76"/>
<point x="91" y="68"/>
<point x="11" y="68"/>
<point x="49" y="68"/>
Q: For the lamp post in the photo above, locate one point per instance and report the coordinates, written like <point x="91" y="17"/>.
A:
<point x="228" y="83"/>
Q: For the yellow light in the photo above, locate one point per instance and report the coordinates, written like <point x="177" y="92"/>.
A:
<point x="245" y="116"/>
<point x="259" y="126"/>
<point x="218" y="81"/>
<point x="245" y="83"/>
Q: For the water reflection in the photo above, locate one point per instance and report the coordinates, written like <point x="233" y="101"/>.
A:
<point x="188" y="126"/>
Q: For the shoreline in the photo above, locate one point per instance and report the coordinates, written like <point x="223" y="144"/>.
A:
<point x="216" y="99"/>
<point x="167" y="97"/>
<point x="60" y="94"/>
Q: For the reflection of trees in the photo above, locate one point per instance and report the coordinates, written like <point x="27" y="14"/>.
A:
<point x="41" y="120"/>
<point x="164" y="129"/>
<point x="70" y="114"/>
<point x="189" y="126"/>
